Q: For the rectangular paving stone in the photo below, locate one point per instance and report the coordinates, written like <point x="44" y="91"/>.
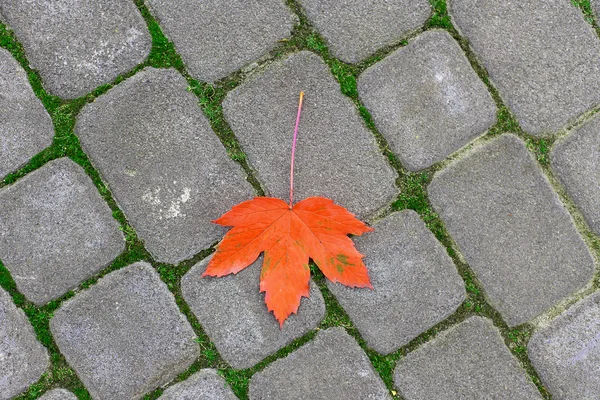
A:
<point x="23" y="359"/>
<point x="511" y="228"/>
<point x="125" y="335"/>
<point x="336" y="155"/>
<point x="58" y="394"/>
<point x="426" y="100"/>
<point x="218" y="37"/>
<point x="542" y="55"/>
<point x="331" y="366"/>
<point x="415" y="283"/>
<point x="468" y="361"/>
<point x="355" y="29"/>
<point x="205" y="384"/>
<point x="167" y="169"/>
<point x="566" y="354"/>
<point x="233" y="313"/>
<point x="25" y="126"/>
<point x="55" y="231"/>
<point x="576" y="162"/>
<point x="77" y="45"/>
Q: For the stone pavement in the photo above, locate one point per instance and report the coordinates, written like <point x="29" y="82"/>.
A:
<point x="465" y="132"/>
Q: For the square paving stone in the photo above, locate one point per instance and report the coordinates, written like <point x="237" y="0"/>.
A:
<point x="426" y="100"/>
<point x="468" y="361"/>
<point x="78" y="45"/>
<point x="336" y="155"/>
<point x="576" y="163"/>
<point x="125" y="335"/>
<point x="355" y="29"/>
<point x="23" y="359"/>
<point x="233" y="313"/>
<point x="55" y="231"/>
<point x="206" y="384"/>
<point x="566" y="354"/>
<point x="542" y="55"/>
<point x="331" y="366"/>
<point x="511" y="228"/>
<point x="25" y="126"/>
<point x="415" y="283"/>
<point x="167" y="169"/>
<point x="58" y="394"/>
<point x="218" y="37"/>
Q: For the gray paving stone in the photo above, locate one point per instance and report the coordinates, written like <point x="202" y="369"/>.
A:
<point x="566" y="354"/>
<point x="22" y="358"/>
<point x="415" y="283"/>
<point x="576" y="163"/>
<point x="595" y="6"/>
<point x="468" y="361"/>
<point x="125" y="335"/>
<point x="165" y="166"/>
<point x="55" y="231"/>
<point x="355" y="29"/>
<point x="58" y="394"/>
<point x="426" y="100"/>
<point x="25" y="126"/>
<point x="511" y="228"/>
<point x="78" y="45"/>
<point x="542" y="55"/>
<point x="336" y="156"/>
<point x="205" y="384"/>
<point x="233" y="313"/>
<point x="216" y="37"/>
<point x="331" y="366"/>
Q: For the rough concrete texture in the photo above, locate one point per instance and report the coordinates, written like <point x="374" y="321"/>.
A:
<point x="58" y="394"/>
<point x="415" y="283"/>
<point x="167" y="169"/>
<point x="233" y="313"/>
<point x="216" y="37"/>
<point x="566" y="354"/>
<point x="336" y="155"/>
<point x="331" y="366"/>
<point x="25" y="126"/>
<point x="576" y="163"/>
<point x="542" y="55"/>
<point x="355" y="29"/>
<point x="426" y="100"/>
<point x="205" y="384"/>
<point x="468" y="361"/>
<point x="511" y="228"/>
<point x="125" y="335"/>
<point x="22" y="358"/>
<point x="78" y="45"/>
<point x="55" y="231"/>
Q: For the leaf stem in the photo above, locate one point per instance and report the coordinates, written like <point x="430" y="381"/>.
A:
<point x="294" y="150"/>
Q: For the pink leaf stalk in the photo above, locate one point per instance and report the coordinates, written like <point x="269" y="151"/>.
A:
<point x="294" y="150"/>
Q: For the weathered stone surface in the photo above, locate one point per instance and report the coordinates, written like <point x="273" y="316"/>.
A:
<point x="331" y="366"/>
<point x="125" y="335"/>
<point x="576" y="162"/>
<point x="216" y="37"/>
<point x="205" y="384"/>
<point x="58" y="394"/>
<point x="336" y="156"/>
<point x="78" y="45"/>
<point x="596" y="6"/>
<point x="469" y="361"/>
<point x="165" y="166"/>
<point x="55" y="231"/>
<point x="25" y="126"/>
<point x="566" y="354"/>
<point x="233" y="313"/>
<point x="426" y="100"/>
<point x="22" y="358"/>
<point x="511" y="228"/>
<point x="542" y="55"/>
<point x="355" y="29"/>
<point x="415" y="283"/>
